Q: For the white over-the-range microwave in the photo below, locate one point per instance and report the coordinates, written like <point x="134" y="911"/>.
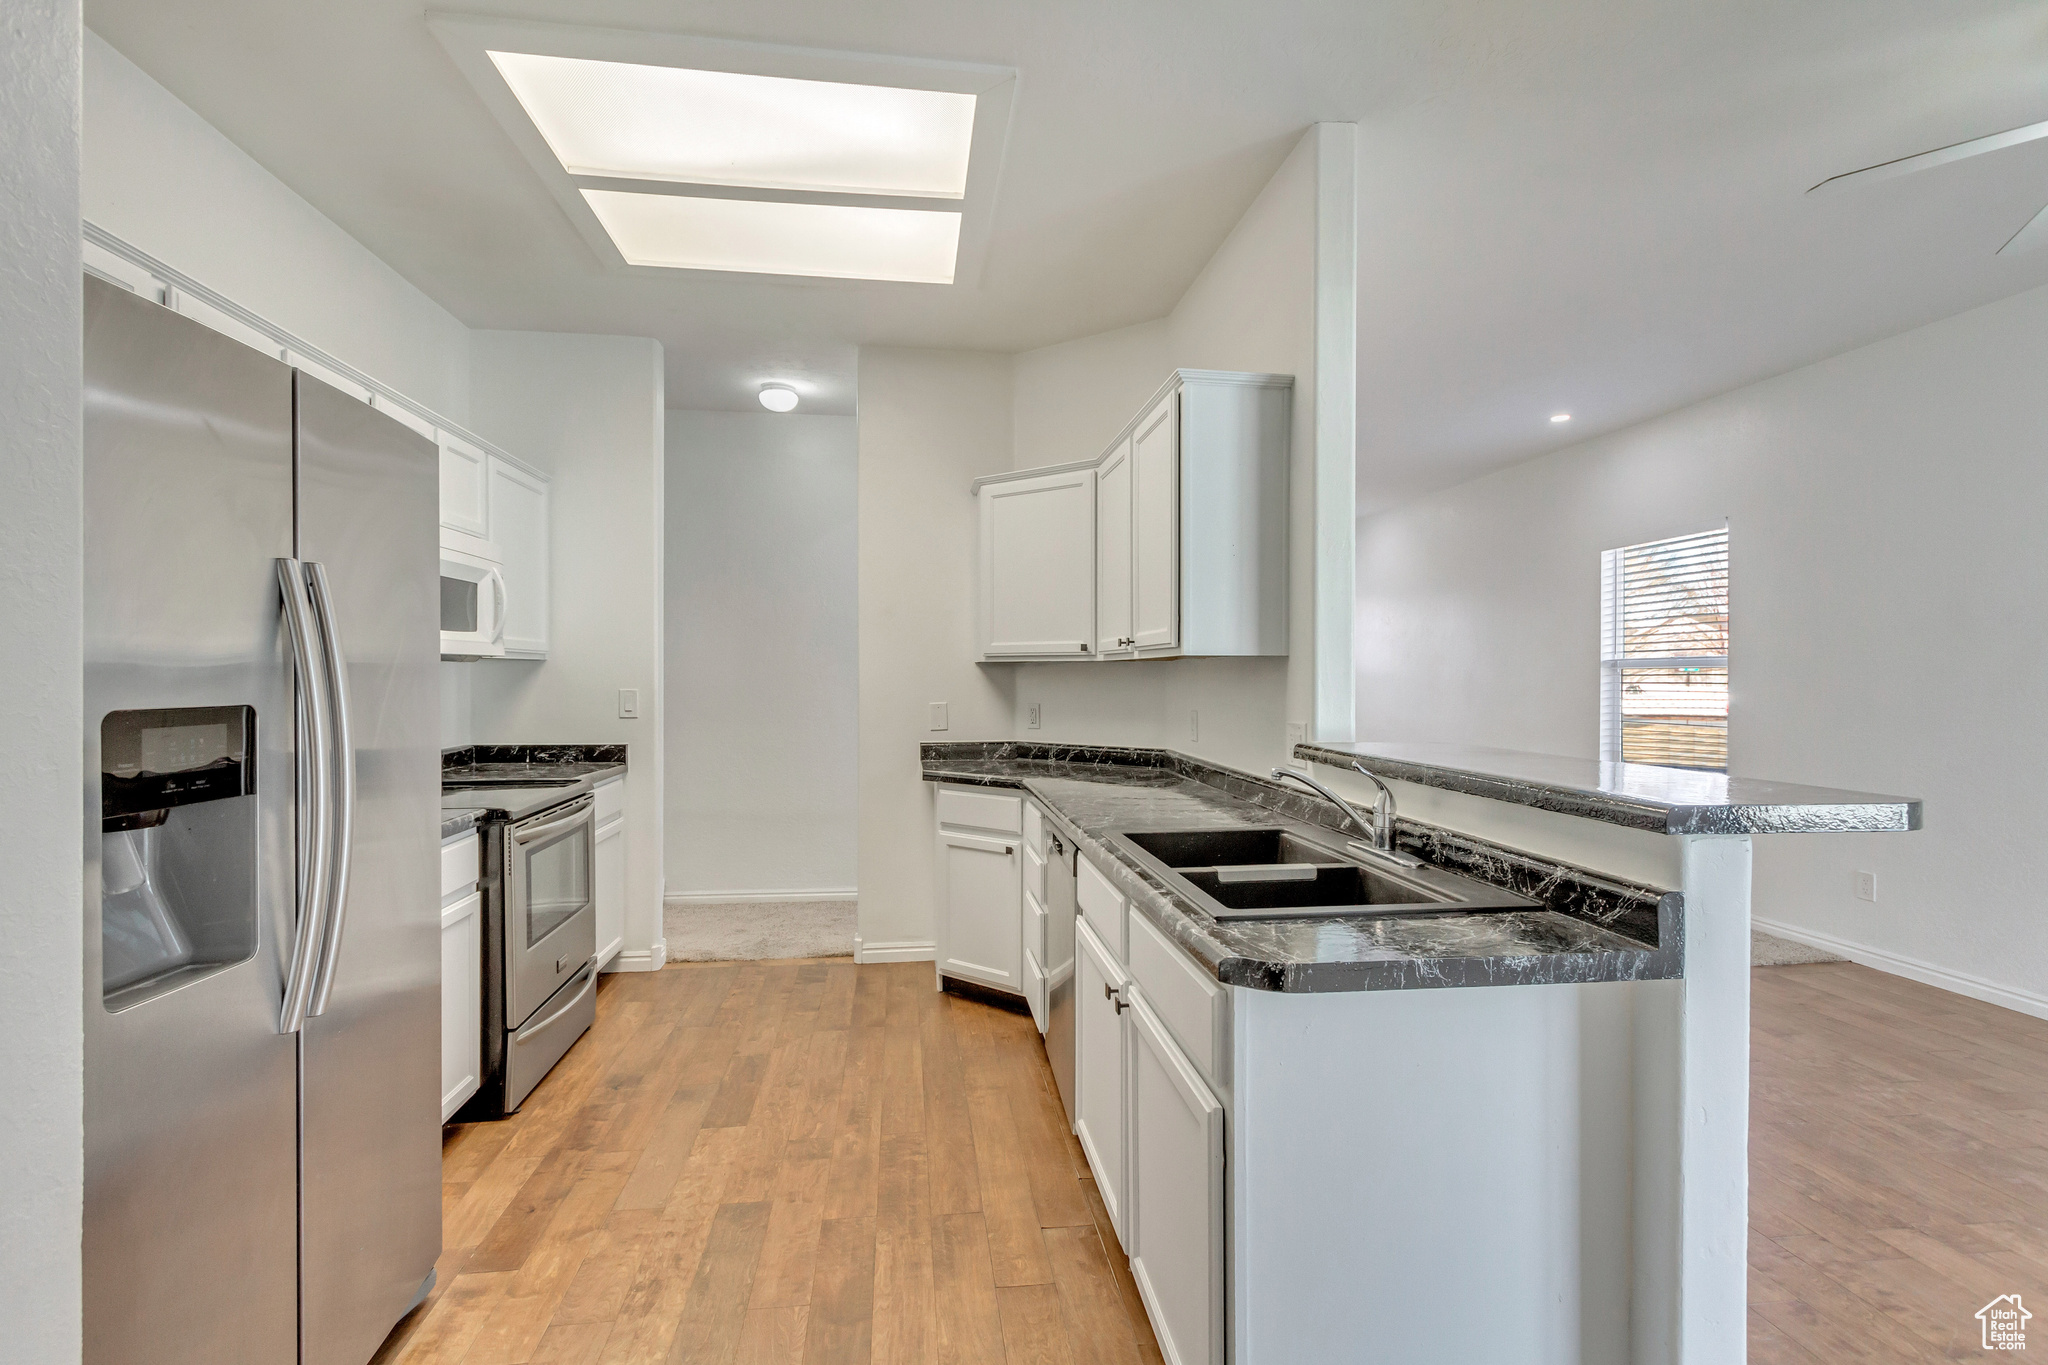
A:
<point x="472" y="607"/>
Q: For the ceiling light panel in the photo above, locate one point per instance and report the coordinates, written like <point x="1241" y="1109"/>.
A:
<point x="768" y="237"/>
<point x="727" y="128"/>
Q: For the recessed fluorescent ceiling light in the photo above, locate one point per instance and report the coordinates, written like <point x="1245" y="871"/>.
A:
<point x="767" y="237"/>
<point x="725" y="128"/>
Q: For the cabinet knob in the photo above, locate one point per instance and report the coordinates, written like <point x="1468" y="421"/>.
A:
<point x="1009" y="852"/>
<point x="1115" y="995"/>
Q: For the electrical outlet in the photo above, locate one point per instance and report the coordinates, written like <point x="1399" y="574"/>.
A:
<point x="1031" y="717"/>
<point x="629" y="703"/>
<point x="1194" y="727"/>
<point x="1866" y="886"/>
<point x="1297" y="733"/>
<point x="938" y="715"/>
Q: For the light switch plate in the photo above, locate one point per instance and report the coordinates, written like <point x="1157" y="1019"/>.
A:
<point x="1194" y="727"/>
<point x="629" y="703"/>
<point x="938" y="715"/>
<point x="1297" y="733"/>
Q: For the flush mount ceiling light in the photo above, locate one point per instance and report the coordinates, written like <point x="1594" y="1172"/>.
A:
<point x="2034" y="233"/>
<point x="673" y="153"/>
<point x="778" y="397"/>
<point x="1560" y="417"/>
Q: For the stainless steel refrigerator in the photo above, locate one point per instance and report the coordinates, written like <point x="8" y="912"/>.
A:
<point x="261" y="822"/>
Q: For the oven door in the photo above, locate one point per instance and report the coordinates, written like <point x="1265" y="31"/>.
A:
<point x="550" y="917"/>
<point x="472" y="607"/>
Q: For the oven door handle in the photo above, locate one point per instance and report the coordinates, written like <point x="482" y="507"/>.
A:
<point x="533" y="1031"/>
<point x="578" y="815"/>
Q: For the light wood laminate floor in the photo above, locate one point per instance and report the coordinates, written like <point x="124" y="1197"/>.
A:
<point x="817" y="1162"/>
<point x="780" y="1162"/>
<point x="1898" y="1168"/>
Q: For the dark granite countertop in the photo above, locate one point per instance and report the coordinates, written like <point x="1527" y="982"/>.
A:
<point x="1663" y="800"/>
<point x="459" y="821"/>
<point x="1595" y="928"/>
<point x="511" y="764"/>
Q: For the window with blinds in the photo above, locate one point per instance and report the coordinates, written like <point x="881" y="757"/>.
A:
<point x="1664" y="652"/>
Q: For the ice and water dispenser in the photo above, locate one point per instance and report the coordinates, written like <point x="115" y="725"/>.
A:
<point x="178" y="838"/>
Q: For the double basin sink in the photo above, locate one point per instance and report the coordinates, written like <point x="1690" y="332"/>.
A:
<point x="1275" y="873"/>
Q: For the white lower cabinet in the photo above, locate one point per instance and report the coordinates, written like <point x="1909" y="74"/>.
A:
<point x="1101" y="1072"/>
<point x="608" y="880"/>
<point x="979" y="937"/>
<point x="1174" y="1226"/>
<point x="462" y="963"/>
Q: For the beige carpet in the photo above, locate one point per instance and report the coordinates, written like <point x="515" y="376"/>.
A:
<point x="1768" y="950"/>
<point x="748" y="931"/>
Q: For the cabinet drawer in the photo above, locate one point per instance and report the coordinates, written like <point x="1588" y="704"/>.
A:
<point x="1034" y="989"/>
<point x="980" y="810"/>
<point x="460" y="865"/>
<point x="611" y="799"/>
<point x="1034" y="871"/>
<point x="1035" y="920"/>
<point x="1102" y="905"/>
<point x="1190" y="1003"/>
<point x="1034" y="829"/>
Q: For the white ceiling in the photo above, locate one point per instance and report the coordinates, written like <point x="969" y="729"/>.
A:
<point x="1592" y="207"/>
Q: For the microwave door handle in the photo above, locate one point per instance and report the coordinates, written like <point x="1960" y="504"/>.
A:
<point x="335" y="659"/>
<point x="498" y="605"/>
<point x="315" y="790"/>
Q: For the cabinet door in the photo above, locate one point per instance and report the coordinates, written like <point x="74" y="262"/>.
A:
<point x="1100" y="1065"/>
<point x="981" y="934"/>
<point x="609" y="890"/>
<point x="1174" y="1229"/>
<point x="1038" y="566"/>
<point x="465" y="490"/>
<point x="519" y="528"/>
<point x="1155" y="527"/>
<point x="462" y="1005"/>
<point x="1113" y="553"/>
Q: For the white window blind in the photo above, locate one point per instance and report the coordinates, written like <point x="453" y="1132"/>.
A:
<point x="1664" y="652"/>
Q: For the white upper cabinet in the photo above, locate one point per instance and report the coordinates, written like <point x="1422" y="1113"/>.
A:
<point x="1113" y="553"/>
<point x="1038" y="565"/>
<point x="496" y="512"/>
<point x="1155" y="528"/>
<point x="465" y="494"/>
<point x="519" y="530"/>
<point x="1189" y="541"/>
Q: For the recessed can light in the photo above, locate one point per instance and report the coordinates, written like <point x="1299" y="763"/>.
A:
<point x="1560" y="417"/>
<point x="778" y="397"/>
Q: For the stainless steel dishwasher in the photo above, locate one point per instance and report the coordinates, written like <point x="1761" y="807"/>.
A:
<point x="1060" y="908"/>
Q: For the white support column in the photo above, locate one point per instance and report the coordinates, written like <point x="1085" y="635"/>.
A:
<point x="1714" y="1125"/>
<point x="1336" y="427"/>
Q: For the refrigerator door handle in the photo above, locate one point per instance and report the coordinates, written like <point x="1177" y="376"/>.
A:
<point x="317" y="787"/>
<point x="335" y="661"/>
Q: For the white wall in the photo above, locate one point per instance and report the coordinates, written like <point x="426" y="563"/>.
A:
<point x="1884" y="512"/>
<point x="588" y="410"/>
<point x="161" y="178"/>
<point x="1251" y="308"/>
<point x="932" y="421"/>
<point x="929" y="422"/>
<point x="763" y="659"/>
<point x="41" y="720"/>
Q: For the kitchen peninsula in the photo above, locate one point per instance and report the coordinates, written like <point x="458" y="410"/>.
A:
<point x="1317" y="1138"/>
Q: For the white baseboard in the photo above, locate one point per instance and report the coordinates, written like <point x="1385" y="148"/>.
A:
<point x="641" y="959"/>
<point x="1912" y="968"/>
<point x="908" y="950"/>
<point x="835" y="893"/>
